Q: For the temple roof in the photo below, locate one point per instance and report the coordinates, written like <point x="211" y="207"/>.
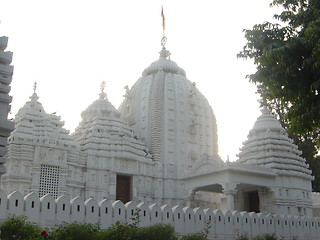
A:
<point x="165" y="64"/>
<point x="171" y="115"/>
<point x="268" y="145"/>
<point x="102" y="132"/>
<point x="101" y="107"/>
<point x="32" y="123"/>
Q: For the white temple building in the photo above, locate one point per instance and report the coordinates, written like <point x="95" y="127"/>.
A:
<point x="160" y="146"/>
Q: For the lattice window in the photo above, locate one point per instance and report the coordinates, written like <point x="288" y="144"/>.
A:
<point x="49" y="180"/>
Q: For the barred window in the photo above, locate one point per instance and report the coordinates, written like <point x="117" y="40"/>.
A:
<point x="49" y="180"/>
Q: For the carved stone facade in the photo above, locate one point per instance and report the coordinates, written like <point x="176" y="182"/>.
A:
<point x="161" y="147"/>
<point x="42" y="157"/>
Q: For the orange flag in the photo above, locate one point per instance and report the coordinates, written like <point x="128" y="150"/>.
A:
<point x="163" y="20"/>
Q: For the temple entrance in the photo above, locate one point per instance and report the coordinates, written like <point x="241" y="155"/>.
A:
<point x="252" y="202"/>
<point x="123" y="192"/>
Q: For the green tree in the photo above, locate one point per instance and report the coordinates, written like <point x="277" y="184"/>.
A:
<point x="156" y="232"/>
<point x="287" y="56"/>
<point x="118" y="231"/>
<point x="74" y="231"/>
<point x="17" y="227"/>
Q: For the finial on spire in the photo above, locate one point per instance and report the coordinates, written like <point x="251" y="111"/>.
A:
<point x="164" y="38"/>
<point x="35" y="87"/>
<point x="103" y="95"/>
<point x="102" y="86"/>
<point x="34" y="98"/>
<point x="265" y="109"/>
<point x="164" y="53"/>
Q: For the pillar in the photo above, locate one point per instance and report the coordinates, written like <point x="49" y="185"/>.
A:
<point x="230" y="198"/>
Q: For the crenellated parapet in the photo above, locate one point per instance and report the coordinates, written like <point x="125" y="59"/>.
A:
<point x="48" y="211"/>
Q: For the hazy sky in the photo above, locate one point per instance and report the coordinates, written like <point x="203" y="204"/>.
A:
<point x="69" y="47"/>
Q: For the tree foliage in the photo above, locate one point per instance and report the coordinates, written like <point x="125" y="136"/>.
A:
<point x="19" y="228"/>
<point x="287" y="56"/>
<point x="288" y="62"/>
<point x="74" y="231"/>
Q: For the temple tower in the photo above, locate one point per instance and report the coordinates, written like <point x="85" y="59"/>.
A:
<point x="6" y="126"/>
<point x="269" y="146"/>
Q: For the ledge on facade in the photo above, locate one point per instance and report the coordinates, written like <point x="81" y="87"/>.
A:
<point x="5" y="79"/>
<point x="3" y="43"/>
<point x="5" y="57"/>
<point x="7" y="70"/>
<point x="239" y="167"/>
<point x="4" y="88"/>
<point x="6" y="127"/>
<point x="2" y="159"/>
<point x="4" y="97"/>
<point x="2" y="169"/>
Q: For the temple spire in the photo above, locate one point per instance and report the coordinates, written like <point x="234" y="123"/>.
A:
<point x="164" y="53"/>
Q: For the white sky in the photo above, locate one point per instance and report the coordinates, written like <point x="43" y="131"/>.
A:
<point x="69" y="47"/>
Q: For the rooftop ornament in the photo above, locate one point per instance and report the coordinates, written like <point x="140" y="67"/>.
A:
<point x="164" y="53"/>
<point x="34" y="97"/>
<point x="103" y="95"/>
<point x="34" y="87"/>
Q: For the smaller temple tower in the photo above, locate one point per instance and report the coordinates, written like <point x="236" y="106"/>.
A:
<point x="118" y="166"/>
<point x="269" y="146"/>
<point x="42" y="157"/>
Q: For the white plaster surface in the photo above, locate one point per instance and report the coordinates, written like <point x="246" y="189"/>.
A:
<point x="164" y="137"/>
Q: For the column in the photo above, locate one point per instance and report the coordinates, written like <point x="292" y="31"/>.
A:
<point x="230" y="198"/>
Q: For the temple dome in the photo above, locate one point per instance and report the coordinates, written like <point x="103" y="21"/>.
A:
<point x="170" y="114"/>
<point x="164" y="64"/>
<point x="267" y="121"/>
<point x="32" y="107"/>
<point x="268" y="145"/>
<point x="100" y="107"/>
<point x="102" y="132"/>
<point x="32" y="123"/>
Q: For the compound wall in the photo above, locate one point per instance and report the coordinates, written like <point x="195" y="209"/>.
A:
<point x="47" y="211"/>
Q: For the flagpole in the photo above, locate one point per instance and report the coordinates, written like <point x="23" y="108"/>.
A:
<point x="164" y="38"/>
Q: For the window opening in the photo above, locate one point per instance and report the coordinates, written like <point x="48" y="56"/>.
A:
<point x="49" y="180"/>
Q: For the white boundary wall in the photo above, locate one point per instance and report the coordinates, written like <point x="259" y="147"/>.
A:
<point x="47" y="211"/>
